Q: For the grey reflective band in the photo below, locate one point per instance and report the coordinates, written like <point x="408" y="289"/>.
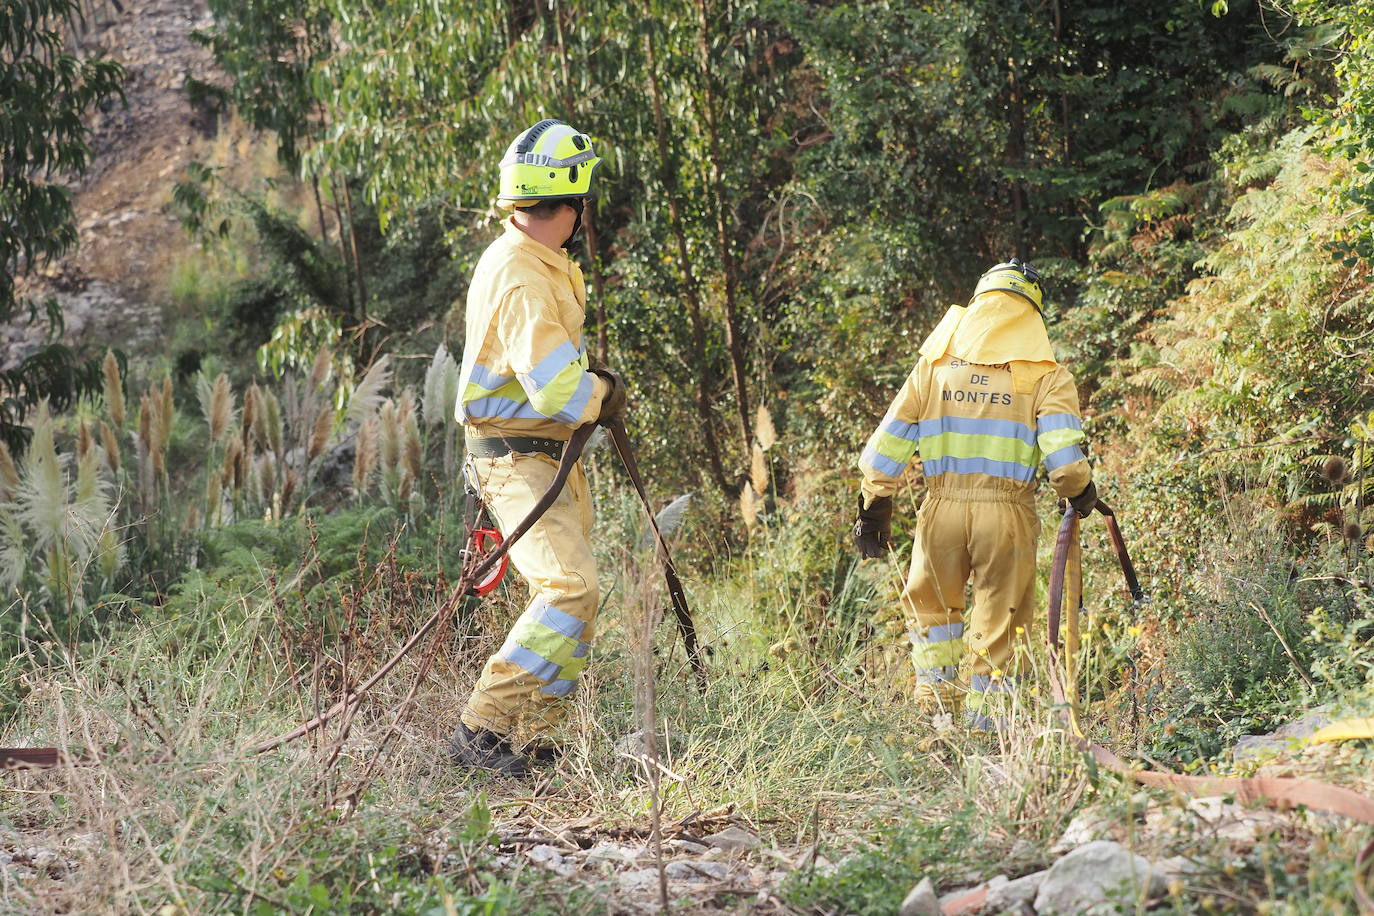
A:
<point x="546" y="161"/>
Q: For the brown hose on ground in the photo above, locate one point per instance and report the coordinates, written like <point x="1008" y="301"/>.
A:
<point x="1278" y="792"/>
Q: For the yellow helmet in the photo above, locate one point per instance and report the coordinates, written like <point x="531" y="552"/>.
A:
<point x="1016" y="277"/>
<point x="548" y="161"/>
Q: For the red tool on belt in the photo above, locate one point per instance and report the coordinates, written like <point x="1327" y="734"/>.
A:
<point x="484" y="542"/>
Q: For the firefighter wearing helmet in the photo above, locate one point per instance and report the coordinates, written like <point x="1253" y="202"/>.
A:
<point x="525" y="386"/>
<point x="986" y="405"/>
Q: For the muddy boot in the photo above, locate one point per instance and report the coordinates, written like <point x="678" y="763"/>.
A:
<point x="480" y="749"/>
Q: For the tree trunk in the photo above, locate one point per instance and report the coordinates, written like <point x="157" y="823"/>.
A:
<point x="1016" y="154"/>
<point x="596" y="312"/>
<point x="689" y="281"/>
<point x="728" y="262"/>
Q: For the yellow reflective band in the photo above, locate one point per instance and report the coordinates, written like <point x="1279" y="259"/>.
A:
<point x="554" y="396"/>
<point x="978" y="445"/>
<point x="895" y="447"/>
<point x="1056" y="439"/>
<point x="511" y="390"/>
<point x="945" y="653"/>
<point x="549" y="644"/>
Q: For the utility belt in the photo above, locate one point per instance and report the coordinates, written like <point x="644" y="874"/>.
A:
<point x="500" y="446"/>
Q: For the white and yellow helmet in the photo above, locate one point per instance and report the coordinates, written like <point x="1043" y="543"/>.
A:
<point x="1015" y="276"/>
<point x="549" y="161"/>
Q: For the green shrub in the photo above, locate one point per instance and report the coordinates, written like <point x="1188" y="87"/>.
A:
<point x="873" y="880"/>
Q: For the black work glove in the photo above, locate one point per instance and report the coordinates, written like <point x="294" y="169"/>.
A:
<point x="873" y="530"/>
<point x="1084" y="503"/>
<point x="613" y="404"/>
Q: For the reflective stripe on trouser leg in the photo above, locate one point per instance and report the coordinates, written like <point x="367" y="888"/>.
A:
<point x="523" y="687"/>
<point x="936" y="653"/>
<point x="933" y="598"/>
<point x="990" y="700"/>
<point x="1002" y="550"/>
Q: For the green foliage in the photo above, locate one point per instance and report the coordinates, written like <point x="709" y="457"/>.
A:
<point x="269" y="48"/>
<point x="43" y="142"/>
<point x="1348" y="119"/>
<point x="873" y="880"/>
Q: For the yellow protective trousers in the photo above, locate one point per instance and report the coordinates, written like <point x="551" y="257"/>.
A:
<point x="524" y="687"/>
<point x="985" y="538"/>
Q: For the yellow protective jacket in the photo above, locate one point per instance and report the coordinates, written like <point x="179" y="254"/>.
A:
<point x="524" y="370"/>
<point x="982" y="426"/>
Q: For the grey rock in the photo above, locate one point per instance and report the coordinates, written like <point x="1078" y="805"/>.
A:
<point x="1178" y="867"/>
<point x="1088" y="825"/>
<point x="688" y="847"/>
<point x="733" y="839"/>
<point x="696" y="870"/>
<point x="639" y="881"/>
<point x="632" y="744"/>
<point x="615" y="854"/>
<point x="1282" y="738"/>
<point x="547" y="856"/>
<point x="1231" y="821"/>
<point x="921" y="901"/>
<point x="1098" y="878"/>
<point x="1014" y="895"/>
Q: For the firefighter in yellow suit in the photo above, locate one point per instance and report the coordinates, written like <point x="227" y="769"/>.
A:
<point x="525" y="386"/>
<point x="986" y="405"/>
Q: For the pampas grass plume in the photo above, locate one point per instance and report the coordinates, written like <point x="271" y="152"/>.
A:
<point x="758" y="469"/>
<point x="252" y="406"/>
<point x="111" y="444"/>
<point x="221" y="408"/>
<point x="167" y="417"/>
<point x="748" y="505"/>
<point x="114" y="388"/>
<point x="411" y="427"/>
<point x="319" y="434"/>
<point x="9" y="474"/>
<point x="764" y="431"/>
<point x="271" y="418"/>
<point x="288" y="487"/>
<point x="390" y="429"/>
<point x="320" y="369"/>
<point x="368" y="395"/>
<point x="366" y="456"/>
<point x="232" y="453"/>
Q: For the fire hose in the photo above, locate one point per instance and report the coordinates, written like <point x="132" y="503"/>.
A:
<point x="48" y="757"/>
<point x="1065" y="592"/>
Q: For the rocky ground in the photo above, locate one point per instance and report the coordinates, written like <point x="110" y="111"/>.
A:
<point x="128" y="237"/>
<point x="1153" y="852"/>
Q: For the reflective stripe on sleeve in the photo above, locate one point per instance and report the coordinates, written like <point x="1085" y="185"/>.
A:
<point x="1064" y="456"/>
<point x="872" y="458"/>
<point x="1058" y="431"/>
<point x="899" y="428"/>
<point x="559" y="387"/>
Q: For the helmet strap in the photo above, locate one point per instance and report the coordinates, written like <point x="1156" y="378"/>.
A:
<point x="578" y="204"/>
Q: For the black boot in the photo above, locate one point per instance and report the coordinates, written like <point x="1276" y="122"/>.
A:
<point x="484" y="750"/>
